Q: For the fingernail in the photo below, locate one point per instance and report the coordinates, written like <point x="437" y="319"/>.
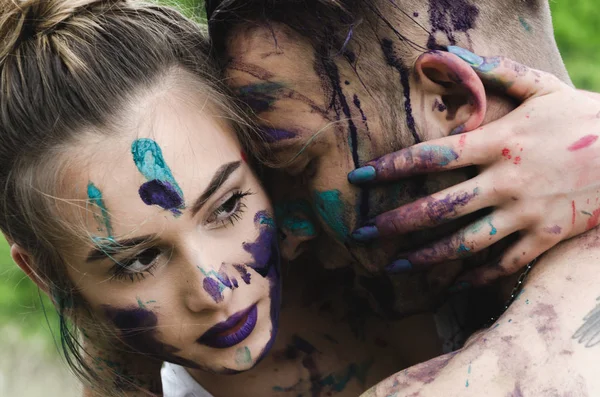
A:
<point x="400" y="266"/>
<point x="365" y="233"/>
<point x="458" y="130"/>
<point x="362" y="175"/>
<point x="466" y="55"/>
<point x="459" y="287"/>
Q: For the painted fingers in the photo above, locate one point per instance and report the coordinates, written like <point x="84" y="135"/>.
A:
<point x="427" y="212"/>
<point x="458" y="151"/>
<point x="517" y="80"/>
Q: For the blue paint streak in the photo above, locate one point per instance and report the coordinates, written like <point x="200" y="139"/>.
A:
<point x="438" y="154"/>
<point x="330" y="208"/>
<point x="463" y="248"/>
<point x="494" y="231"/>
<point x="95" y="196"/>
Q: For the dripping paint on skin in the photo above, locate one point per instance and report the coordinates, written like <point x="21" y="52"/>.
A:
<point x="584" y="142"/>
<point x="364" y="201"/>
<point x="396" y="62"/>
<point x="340" y="106"/>
<point x="448" y="17"/>
<point x="161" y="188"/>
<point x="330" y="209"/>
<point x="95" y="197"/>
<point x="266" y="262"/>
<point x="138" y="329"/>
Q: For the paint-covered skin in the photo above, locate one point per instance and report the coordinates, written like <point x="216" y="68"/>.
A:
<point x="338" y="125"/>
<point x="162" y="188"/>
<point x="94" y="195"/>
<point x="514" y="168"/>
<point x="318" y="350"/>
<point x="531" y="344"/>
<point x="162" y="281"/>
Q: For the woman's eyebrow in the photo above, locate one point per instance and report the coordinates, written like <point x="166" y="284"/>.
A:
<point x="110" y="247"/>
<point x="216" y="182"/>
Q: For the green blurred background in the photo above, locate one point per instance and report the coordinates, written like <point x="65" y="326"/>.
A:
<point x="27" y="346"/>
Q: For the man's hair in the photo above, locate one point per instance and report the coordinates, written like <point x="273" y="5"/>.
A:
<point x="69" y="66"/>
<point x="520" y="29"/>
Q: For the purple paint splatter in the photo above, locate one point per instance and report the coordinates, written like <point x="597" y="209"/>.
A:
<point x="213" y="288"/>
<point x="243" y="272"/>
<point x="274" y="135"/>
<point x="265" y="253"/>
<point x="448" y="17"/>
<point x="138" y="328"/>
<point x="162" y="194"/>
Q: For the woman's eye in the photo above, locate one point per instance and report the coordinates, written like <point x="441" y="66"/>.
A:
<point x="143" y="260"/>
<point x="137" y="266"/>
<point x="230" y="211"/>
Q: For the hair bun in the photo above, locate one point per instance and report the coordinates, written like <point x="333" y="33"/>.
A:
<point x="21" y="20"/>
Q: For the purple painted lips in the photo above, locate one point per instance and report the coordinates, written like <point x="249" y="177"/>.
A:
<point x="231" y="331"/>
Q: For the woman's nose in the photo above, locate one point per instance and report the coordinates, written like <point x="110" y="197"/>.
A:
<point x="208" y="288"/>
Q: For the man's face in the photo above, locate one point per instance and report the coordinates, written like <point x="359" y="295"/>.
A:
<point x="325" y="116"/>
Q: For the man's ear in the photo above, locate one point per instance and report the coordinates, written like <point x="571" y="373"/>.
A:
<point x="453" y="91"/>
<point x="23" y="260"/>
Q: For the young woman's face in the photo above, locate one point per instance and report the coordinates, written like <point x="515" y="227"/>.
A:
<point x="182" y="256"/>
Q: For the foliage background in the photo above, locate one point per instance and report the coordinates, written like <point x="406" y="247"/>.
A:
<point x="24" y="324"/>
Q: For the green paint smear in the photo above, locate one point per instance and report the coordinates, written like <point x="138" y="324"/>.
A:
<point x="296" y="217"/>
<point x="338" y="382"/>
<point x="140" y="303"/>
<point x="525" y="24"/>
<point x="494" y="230"/>
<point x="149" y="160"/>
<point x="330" y="208"/>
<point x="463" y="249"/>
<point x="440" y="154"/>
<point x="95" y="197"/>
<point x="243" y="356"/>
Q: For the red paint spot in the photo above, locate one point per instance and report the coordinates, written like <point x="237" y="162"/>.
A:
<point x="244" y="157"/>
<point x="517" y="160"/>
<point x="588" y="201"/>
<point x="506" y="153"/>
<point x="574" y="213"/>
<point x="593" y="221"/>
<point x="583" y="143"/>
<point x="462" y="141"/>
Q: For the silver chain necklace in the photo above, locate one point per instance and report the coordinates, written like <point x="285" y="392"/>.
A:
<point x="516" y="291"/>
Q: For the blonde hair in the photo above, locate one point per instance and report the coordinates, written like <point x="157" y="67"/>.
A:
<point x="66" y="66"/>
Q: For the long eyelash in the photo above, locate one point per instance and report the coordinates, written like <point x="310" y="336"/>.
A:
<point x="120" y="272"/>
<point x="237" y="215"/>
